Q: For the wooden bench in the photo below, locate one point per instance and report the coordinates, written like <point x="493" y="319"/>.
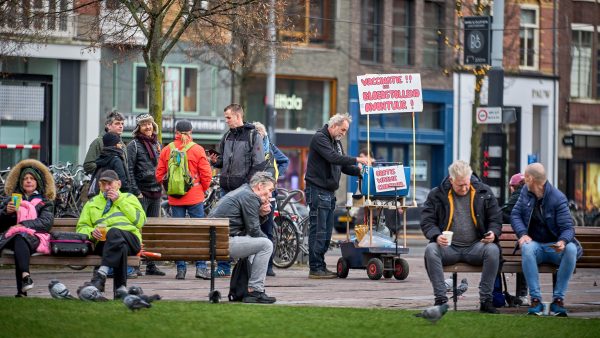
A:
<point x="187" y="239"/>
<point x="589" y="237"/>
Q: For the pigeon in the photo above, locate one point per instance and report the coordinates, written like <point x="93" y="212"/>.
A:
<point x="135" y="290"/>
<point x="462" y="287"/>
<point x="134" y="302"/>
<point x="433" y="313"/>
<point x="88" y="292"/>
<point x="58" y="290"/>
<point x="150" y="299"/>
<point x="449" y="284"/>
<point x="121" y="292"/>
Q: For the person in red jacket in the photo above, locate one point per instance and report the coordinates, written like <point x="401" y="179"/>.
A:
<point x="192" y="202"/>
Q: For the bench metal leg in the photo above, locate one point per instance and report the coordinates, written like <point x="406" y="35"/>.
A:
<point x="213" y="255"/>
<point x="454" y="288"/>
<point x="553" y="281"/>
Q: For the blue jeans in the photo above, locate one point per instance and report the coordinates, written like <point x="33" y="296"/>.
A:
<point x="194" y="211"/>
<point x="321" y="203"/>
<point x="534" y="253"/>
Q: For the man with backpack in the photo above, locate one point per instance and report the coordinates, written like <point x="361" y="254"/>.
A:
<point x="184" y="169"/>
<point x="245" y="207"/>
<point x="143" y="151"/>
<point x="240" y="156"/>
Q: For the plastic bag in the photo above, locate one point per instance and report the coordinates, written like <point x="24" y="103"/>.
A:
<point x="360" y="230"/>
<point x="379" y="240"/>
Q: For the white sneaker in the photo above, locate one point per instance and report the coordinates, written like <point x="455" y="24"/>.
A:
<point x="524" y="301"/>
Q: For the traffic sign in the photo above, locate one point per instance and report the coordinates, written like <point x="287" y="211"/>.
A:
<point x="488" y="115"/>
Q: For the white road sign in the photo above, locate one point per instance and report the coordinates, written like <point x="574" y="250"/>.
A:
<point x="487" y="115"/>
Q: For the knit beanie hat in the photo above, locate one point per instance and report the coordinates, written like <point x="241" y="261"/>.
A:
<point x="141" y="118"/>
<point x="110" y="139"/>
<point x="183" y="126"/>
<point x="516" y="179"/>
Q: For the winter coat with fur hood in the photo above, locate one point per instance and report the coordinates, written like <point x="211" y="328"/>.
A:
<point x="45" y="209"/>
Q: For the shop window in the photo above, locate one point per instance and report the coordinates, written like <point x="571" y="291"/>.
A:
<point x="312" y="21"/>
<point x="528" y="38"/>
<point x="371" y="36"/>
<point x="432" y="35"/>
<point x="180" y="89"/>
<point x="581" y="65"/>
<point x="430" y="117"/>
<point x="402" y="32"/>
<point x="398" y="120"/>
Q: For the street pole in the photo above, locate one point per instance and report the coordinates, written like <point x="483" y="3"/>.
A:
<point x="270" y="99"/>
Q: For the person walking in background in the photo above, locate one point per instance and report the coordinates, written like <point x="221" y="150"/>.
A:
<point x="467" y="207"/>
<point x="144" y="151"/>
<point x="114" y="123"/>
<point x="326" y="162"/>
<point x="25" y="227"/>
<point x="277" y="164"/>
<point x="543" y="224"/>
<point x="191" y="203"/>
<point x="240" y="156"/>
<point x="516" y="183"/>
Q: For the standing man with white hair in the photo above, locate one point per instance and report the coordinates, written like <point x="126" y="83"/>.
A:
<point x="543" y="224"/>
<point x="326" y="162"/>
<point x="467" y="207"/>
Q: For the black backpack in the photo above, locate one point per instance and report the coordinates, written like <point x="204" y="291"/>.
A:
<point x="238" y="286"/>
<point x="94" y="187"/>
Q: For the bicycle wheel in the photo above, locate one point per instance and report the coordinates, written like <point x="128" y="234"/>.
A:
<point x="287" y="242"/>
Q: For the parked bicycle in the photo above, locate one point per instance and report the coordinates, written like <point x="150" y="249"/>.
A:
<point x="70" y="181"/>
<point x="290" y="231"/>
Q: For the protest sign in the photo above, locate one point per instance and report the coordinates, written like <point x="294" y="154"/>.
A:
<point x="389" y="178"/>
<point x="390" y="93"/>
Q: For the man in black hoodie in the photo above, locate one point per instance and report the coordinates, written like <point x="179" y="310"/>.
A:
<point x="326" y="162"/>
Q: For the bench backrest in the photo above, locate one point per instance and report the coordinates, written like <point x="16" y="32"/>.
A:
<point x="175" y="238"/>
<point x="589" y="237"/>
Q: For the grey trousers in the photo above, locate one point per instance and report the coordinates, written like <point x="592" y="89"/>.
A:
<point x="259" y="250"/>
<point x="486" y="255"/>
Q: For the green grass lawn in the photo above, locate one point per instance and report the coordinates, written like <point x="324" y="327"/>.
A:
<point x="37" y="317"/>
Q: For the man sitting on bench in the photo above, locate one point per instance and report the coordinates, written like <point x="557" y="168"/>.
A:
<point x="123" y="216"/>
<point x="468" y="208"/>
<point x="244" y="207"/>
<point x="543" y="224"/>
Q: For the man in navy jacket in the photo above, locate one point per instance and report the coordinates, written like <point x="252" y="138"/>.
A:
<point x="543" y="224"/>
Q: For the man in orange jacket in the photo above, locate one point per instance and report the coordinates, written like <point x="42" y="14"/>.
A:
<point x="192" y="202"/>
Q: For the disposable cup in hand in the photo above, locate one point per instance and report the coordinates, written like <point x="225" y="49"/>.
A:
<point x="448" y="235"/>
<point x="103" y="229"/>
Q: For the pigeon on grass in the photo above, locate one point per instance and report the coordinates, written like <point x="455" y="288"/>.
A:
<point x="58" y="290"/>
<point x="88" y="292"/>
<point x="433" y="313"/>
<point x="134" y="302"/>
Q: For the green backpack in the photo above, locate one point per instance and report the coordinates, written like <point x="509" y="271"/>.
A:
<point x="178" y="180"/>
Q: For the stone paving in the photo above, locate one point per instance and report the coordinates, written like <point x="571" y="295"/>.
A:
<point x="292" y="287"/>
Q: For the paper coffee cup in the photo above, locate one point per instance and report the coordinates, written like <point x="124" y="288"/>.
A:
<point x="448" y="235"/>
<point x="103" y="229"/>
<point x="349" y="199"/>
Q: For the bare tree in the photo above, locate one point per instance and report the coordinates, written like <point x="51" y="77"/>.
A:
<point x="241" y="42"/>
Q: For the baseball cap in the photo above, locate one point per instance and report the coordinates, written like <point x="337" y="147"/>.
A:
<point x="109" y="175"/>
<point x="516" y="179"/>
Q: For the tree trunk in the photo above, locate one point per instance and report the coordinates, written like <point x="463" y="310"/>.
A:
<point x="155" y="76"/>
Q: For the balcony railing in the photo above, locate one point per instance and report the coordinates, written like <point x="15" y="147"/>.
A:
<point x="51" y="18"/>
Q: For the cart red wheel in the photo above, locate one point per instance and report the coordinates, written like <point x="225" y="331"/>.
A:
<point x="374" y="268"/>
<point x="388" y="274"/>
<point x="342" y="267"/>
<point x="401" y="269"/>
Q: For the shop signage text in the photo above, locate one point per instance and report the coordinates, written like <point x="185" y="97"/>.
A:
<point x="207" y="125"/>
<point x="390" y="93"/>
<point x="283" y="101"/>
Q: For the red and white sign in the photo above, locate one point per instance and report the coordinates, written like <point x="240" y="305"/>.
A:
<point x="487" y="115"/>
<point x="389" y="93"/>
<point x="19" y="146"/>
<point x="389" y="178"/>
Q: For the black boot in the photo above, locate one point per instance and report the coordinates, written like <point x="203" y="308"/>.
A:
<point x="152" y="269"/>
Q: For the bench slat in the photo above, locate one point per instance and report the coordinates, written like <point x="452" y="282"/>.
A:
<point x="56" y="260"/>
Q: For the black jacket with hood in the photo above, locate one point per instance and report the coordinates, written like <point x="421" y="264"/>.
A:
<point x="113" y="158"/>
<point x="45" y="209"/>
<point x="437" y="216"/>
